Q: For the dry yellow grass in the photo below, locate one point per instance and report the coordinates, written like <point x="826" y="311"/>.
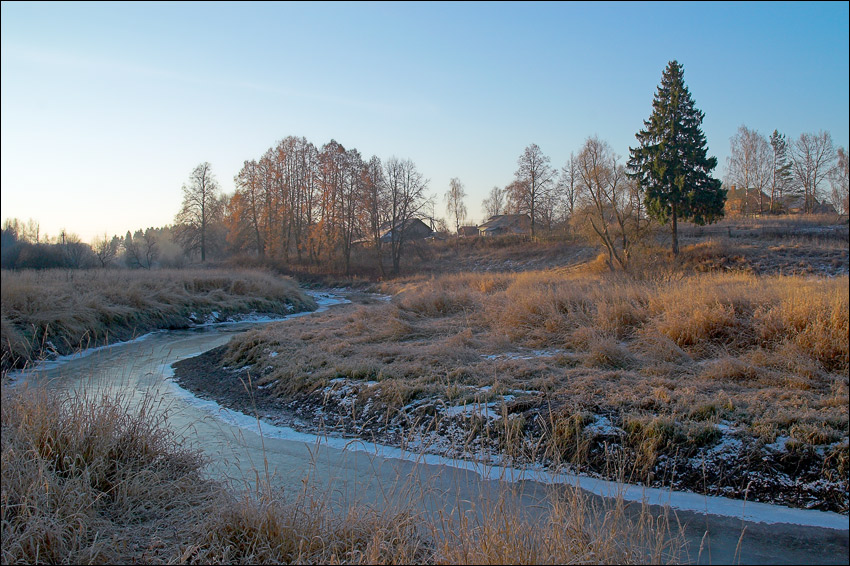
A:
<point x="61" y="311"/>
<point x="88" y="479"/>
<point x="765" y="355"/>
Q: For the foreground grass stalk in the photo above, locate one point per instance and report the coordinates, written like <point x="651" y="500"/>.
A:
<point x="89" y="479"/>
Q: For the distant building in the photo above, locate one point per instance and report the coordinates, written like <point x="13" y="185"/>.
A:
<point x="468" y="231"/>
<point x="504" y="224"/>
<point x="796" y="204"/>
<point x="742" y="201"/>
<point x="414" y="229"/>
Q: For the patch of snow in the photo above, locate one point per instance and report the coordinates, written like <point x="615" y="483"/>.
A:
<point x="414" y="404"/>
<point x="534" y="354"/>
<point x="525" y="392"/>
<point x="779" y="444"/>
<point x="714" y="505"/>
<point x="603" y="427"/>
<point x="490" y="411"/>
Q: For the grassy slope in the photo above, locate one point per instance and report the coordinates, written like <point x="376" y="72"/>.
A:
<point x="61" y="311"/>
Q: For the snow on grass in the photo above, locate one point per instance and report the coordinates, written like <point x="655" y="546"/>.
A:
<point x="435" y="442"/>
<point x="529" y="355"/>
<point x="602" y="426"/>
<point x="488" y="411"/>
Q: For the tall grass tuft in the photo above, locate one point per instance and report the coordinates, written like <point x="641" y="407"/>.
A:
<point x="89" y="479"/>
<point x="61" y="311"/>
<point x="86" y="480"/>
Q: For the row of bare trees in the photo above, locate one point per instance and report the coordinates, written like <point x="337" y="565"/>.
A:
<point x="309" y="205"/>
<point x="590" y="194"/>
<point x="774" y="169"/>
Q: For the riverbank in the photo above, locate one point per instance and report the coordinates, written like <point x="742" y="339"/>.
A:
<point x="91" y="476"/>
<point x="77" y="516"/>
<point x="423" y="373"/>
<point x="52" y="313"/>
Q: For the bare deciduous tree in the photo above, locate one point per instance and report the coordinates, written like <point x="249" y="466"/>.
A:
<point x="608" y="201"/>
<point x="568" y="186"/>
<point x="494" y="204"/>
<point x="201" y="207"/>
<point x="105" y="249"/>
<point x="812" y="158"/>
<point x="247" y="206"/>
<point x="373" y="212"/>
<point x="749" y="165"/>
<point x="76" y="254"/>
<point x="455" y="207"/>
<point x="534" y="177"/>
<point x="405" y="190"/>
<point x="352" y="189"/>
<point x="31" y="232"/>
<point x="838" y="178"/>
<point x="140" y="249"/>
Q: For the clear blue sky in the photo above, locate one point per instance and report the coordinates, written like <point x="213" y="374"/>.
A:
<point x="107" y="108"/>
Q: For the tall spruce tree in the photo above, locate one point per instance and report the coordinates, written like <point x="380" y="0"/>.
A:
<point x="671" y="163"/>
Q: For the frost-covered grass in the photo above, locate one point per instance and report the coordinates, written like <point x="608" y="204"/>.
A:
<point x="664" y="361"/>
<point x="62" y="311"/>
<point x="88" y="479"/>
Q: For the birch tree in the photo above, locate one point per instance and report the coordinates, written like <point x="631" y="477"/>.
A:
<point x="494" y="204"/>
<point x="455" y="206"/>
<point x="201" y="207"/>
<point x="749" y="165"/>
<point x="812" y="158"/>
<point x="534" y="177"/>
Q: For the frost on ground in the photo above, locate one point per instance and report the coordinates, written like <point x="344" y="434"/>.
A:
<point x="498" y="429"/>
<point x="422" y="373"/>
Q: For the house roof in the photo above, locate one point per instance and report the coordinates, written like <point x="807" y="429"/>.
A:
<point x="413" y="228"/>
<point x="520" y="222"/>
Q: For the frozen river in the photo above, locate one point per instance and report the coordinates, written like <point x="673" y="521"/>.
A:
<point x="240" y="447"/>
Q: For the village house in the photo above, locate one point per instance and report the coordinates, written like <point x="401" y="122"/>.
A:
<point x="506" y="224"/>
<point x="753" y="203"/>
<point x="796" y="204"/>
<point x="414" y="229"/>
<point x="748" y="202"/>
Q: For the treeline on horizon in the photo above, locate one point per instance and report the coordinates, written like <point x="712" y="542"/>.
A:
<point x="304" y="205"/>
<point x="323" y="207"/>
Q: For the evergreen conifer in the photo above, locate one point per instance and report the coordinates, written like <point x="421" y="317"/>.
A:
<point x="671" y="162"/>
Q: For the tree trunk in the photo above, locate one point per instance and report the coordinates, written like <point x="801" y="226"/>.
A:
<point x="675" y="233"/>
